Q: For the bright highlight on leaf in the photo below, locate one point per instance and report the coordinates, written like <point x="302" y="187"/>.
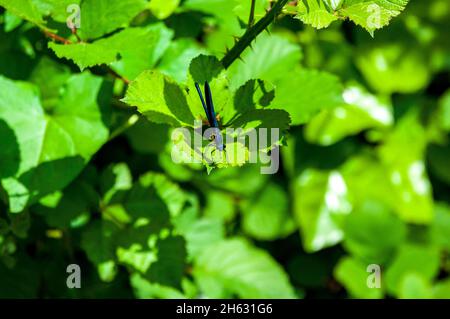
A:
<point x="369" y="14"/>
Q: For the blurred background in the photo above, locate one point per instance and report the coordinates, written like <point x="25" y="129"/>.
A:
<point x="359" y="207"/>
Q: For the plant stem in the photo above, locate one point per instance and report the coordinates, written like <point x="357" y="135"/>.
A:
<point x="56" y="37"/>
<point x="251" y="18"/>
<point x="252" y="33"/>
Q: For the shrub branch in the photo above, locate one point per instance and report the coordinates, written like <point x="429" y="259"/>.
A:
<point x="251" y="33"/>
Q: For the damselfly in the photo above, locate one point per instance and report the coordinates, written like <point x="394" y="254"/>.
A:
<point x="208" y="106"/>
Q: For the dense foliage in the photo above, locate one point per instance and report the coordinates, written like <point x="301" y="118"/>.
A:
<point x="87" y="169"/>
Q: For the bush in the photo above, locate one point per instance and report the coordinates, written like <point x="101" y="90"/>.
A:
<point x="99" y="99"/>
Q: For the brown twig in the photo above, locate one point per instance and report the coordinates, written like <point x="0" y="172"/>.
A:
<point x="117" y="75"/>
<point x="75" y="33"/>
<point x="57" y="37"/>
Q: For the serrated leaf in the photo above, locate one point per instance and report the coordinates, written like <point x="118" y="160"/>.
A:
<point x="372" y="14"/>
<point x="369" y="14"/>
<point x="160" y="99"/>
<point x="204" y="68"/>
<point x="129" y="52"/>
<point x="315" y="13"/>
<point x="56" y="9"/>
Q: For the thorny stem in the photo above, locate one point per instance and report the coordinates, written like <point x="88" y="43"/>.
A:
<point x="67" y="41"/>
<point x="252" y="33"/>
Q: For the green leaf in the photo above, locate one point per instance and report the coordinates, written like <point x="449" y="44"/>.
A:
<point x="99" y="17"/>
<point x="321" y="203"/>
<point x="53" y="146"/>
<point x="50" y="77"/>
<point x="176" y="59"/>
<point x="315" y="13"/>
<point x="219" y="205"/>
<point x="160" y="99"/>
<point x="422" y="260"/>
<point x="75" y="201"/>
<point x="144" y="289"/>
<point x="393" y="67"/>
<point x="444" y="111"/>
<point x="114" y="179"/>
<point x="362" y="233"/>
<point x="11" y="21"/>
<point x="129" y="52"/>
<point x="246" y="271"/>
<point x="361" y="111"/>
<point x="169" y="266"/>
<point x="372" y="14"/>
<point x="267" y="216"/>
<point x="402" y="154"/>
<point x="204" y="68"/>
<point x="353" y="274"/>
<point x="19" y="282"/>
<point x="98" y="241"/>
<point x="369" y="14"/>
<point x="306" y="92"/>
<point x="269" y="58"/>
<point x="162" y="9"/>
<point x="57" y="9"/>
<point x="147" y="137"/>
<point x="25" y="9"/>
<point x="442" y="289"/>
<point x="414" y="286"/>
<point x="437" y="157"/>
<point x="171" y="193"/>
<point x="264" y="119"/>
<point x="199" y="233"/>
<point x="440" y="228"/>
